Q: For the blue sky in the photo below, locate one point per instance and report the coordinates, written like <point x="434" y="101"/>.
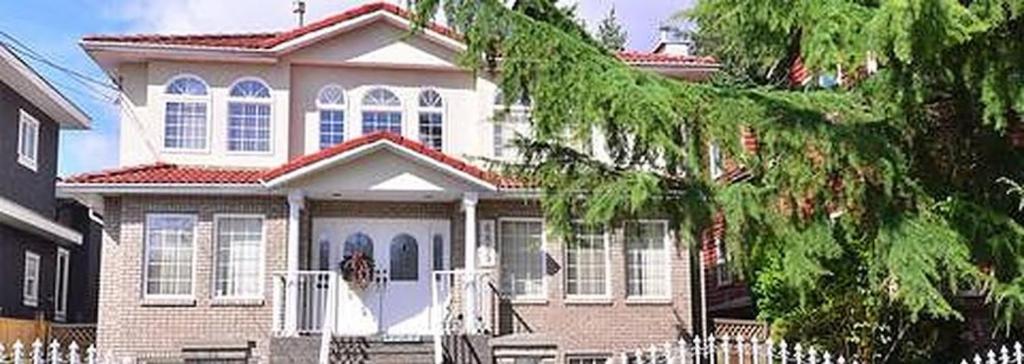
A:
<point x="53" y="27"/>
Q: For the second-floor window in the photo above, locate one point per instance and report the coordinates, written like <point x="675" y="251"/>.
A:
<point x="331" y="104"/>
<point x="431" y="114"/>
<point x="186" y="114"/>
<point x="28" y="140"/>
<point x="249" y="116"/>
<point x="382" y="111"/>
<point x="509" y="122"/>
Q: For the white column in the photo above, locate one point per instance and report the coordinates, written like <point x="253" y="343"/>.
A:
<point x="469" y="201"/>
<point x="296" y="201"/>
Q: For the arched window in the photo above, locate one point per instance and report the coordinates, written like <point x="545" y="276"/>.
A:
<point x="331" y="103"/>
<point x="510" y="120"/>
<point x="357" y="242"/>
<point x="186" y="114"/>
<point x="405" y="258"/>
<point x="249" y="116"/>
<point x="431" y="110"/>
<point x="382" y="111"/>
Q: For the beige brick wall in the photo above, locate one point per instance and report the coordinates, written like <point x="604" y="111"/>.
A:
<point x="609" y="327"/>
<point x="130" y="326"/>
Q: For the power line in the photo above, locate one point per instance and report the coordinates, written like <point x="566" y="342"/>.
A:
<point x="28" y="52"/>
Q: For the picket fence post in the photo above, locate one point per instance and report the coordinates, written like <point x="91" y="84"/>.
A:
<point x="73" y="357"/>
<point x="725" y="349"/>
<point x="755" y="348"/>
<point x="90" y="354"/>
<point x="37" y="352"/>
<point x="696" y="350"/>
<point x="19" y="352"/>
<point x="768" y="351"/>
<point x="683" y="351"/>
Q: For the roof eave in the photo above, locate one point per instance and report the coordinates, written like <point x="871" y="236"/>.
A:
<point x="47" y="97"/>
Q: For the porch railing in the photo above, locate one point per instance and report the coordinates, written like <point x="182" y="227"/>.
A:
<point x="312" y="291"/>
<point x="447" y="317"/>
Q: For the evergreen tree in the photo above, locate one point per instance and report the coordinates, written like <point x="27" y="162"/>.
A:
<point x="610" y="33"/>
<point x="859" y="223"/>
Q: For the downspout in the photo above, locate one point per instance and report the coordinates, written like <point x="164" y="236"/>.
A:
<point x="703" y="291"/>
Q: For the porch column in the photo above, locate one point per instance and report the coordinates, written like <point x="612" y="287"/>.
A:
<point x="469" y="202"/>
<point x="296" y="201"/>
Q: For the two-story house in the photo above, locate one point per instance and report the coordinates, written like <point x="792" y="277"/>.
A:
<point x="46" y="245"/>
<point x="315" y="192"/>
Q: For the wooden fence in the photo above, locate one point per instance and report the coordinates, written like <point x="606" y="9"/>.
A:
<point x="12" y="330"/>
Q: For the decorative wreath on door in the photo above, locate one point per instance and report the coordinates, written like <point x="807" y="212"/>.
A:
<point x="357" y="269"/>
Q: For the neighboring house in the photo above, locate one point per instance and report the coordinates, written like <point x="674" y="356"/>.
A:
<point x="48" y="248"/>
<point x="255" y="166"/>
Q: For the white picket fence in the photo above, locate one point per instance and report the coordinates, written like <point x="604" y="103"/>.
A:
<point x="729" y="350"/>
<point x="39" y="353"/>
<point x="1003" y="357"/>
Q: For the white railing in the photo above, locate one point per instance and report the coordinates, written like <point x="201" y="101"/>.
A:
<point x="38" y="353"/>
<point x="445" y="310"/>
<point x="729" y="350"/>
<point x="313" y="290"/>
<point x="1002" y="357"/>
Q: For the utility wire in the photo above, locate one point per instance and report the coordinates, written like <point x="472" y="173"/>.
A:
<point x="28" y="52"/>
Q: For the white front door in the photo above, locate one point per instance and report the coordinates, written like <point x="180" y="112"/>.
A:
<point x="397" y="301"/>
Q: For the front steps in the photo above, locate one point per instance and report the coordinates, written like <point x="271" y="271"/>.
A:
<point x="353" y="350"/>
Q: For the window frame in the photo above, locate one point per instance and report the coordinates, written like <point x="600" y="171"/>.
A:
<point x="363" y="109"/>
<point x="716" y="169"/>
<point x="268" y="101"/>
<point x="60" y="292"/>
<point x="666" y="248"/>
<point x="31" y="300"/>
<point x="439" y="110"/>
<point x="583" y="358"/>
<point x="26" y="120"/>
<point x="521" y="107"/>
<point x="541" y="298"/>
<point x="577" y="298"/>
<point x="342" y="107"/>
<point x="723" y="276"/>
<point x="181" y="98"/>
<point x="145" y="256"/>
<point x="261" y="278"/>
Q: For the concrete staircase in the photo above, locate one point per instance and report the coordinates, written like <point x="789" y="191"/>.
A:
<point x="353" y="350"/>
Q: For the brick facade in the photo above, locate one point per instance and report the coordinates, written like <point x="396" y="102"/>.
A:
<point x="130" y="326"/>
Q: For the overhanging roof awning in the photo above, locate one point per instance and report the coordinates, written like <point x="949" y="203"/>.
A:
<point x="23" y="218"/>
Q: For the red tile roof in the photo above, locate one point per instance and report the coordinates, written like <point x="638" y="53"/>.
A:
<point x="272" y="39"/>
<point x="164" y="173"/>
<point x="410" y="144"/>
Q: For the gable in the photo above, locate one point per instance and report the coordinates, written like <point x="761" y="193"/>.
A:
<point x="381" y="42"/>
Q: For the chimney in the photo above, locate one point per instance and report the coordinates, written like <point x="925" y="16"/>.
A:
<point x="673" y="41"/>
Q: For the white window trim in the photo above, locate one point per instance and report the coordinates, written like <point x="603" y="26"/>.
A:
<point x="30" y="162"/>
<point x="443" y="110"/>
<point x="60" y="309"/>
<point x="570" y="358"/>
<point x="269" y="101"/>
<point x="33" y="299"/>
<point x="723" y="277"/>
<point x="667" y="248"/>
<point x="343" y="107"/>
<point x="515" y="108"/>
<point x="714" y="161"/>
<point x="169" y="98"/>
<point x="263" y="256"/>
<point x="145" y="257"/>
<point x="384" y="108"/>
<point x="570" y="298"/>
<point x="536" y="299"/>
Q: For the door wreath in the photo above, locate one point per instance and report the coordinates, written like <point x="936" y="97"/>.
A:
<point x="357" y="269"/>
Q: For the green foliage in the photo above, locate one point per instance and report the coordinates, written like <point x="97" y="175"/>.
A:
<point x="610" y="33"/>
<point x="851" y="226"/>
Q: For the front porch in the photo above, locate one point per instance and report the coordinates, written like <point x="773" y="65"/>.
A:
<point x="381" y="246"/>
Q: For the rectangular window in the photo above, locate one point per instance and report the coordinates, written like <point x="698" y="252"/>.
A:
<point x="715" y="162"/>
<point x="28" y="140"/>
<point x="185" y="125"/>
<point x="522" y="258"/>
<point x="60" y="289"/>
<point x="170" y="253"/>
<point x="587" y="360"/>
<point x="30" y="284"/>
<point x="431" y="130"/>
<point x="647" y="259"/>
<point x="239" y="257"/>
<point x="722" y="271"/>
<point x="586" y="262"/>
<point x="248" y="127"/>
<point x="332" y="128"/>
<point x="390" y="121"/>
<point x="507" y="129"/>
